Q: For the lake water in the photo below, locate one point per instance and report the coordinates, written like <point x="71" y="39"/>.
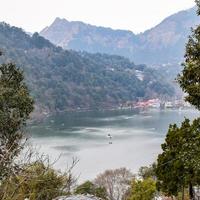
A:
<point x="136" y="138"/>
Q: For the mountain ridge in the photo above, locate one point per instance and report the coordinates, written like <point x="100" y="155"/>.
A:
<point x="161" y="44"/>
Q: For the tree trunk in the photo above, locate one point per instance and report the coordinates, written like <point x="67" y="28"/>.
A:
<point x="191" y="192"/>
<point x="183" y="195"/>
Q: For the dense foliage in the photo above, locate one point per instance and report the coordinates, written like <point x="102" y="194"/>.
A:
<point x="15" y="107"/>
<point x="90" y="188"/>
<point x="62" y="80"/>
<point x="23" y="172"/>
<point x="147" y="172"/>
<point x="178" y="165"/>
<point x="35" y="182"/>
<point x="143" y="189"/>
<point x="190" y="78"/>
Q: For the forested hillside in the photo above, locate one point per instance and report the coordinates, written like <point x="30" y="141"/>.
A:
<point x="63" y="80"/>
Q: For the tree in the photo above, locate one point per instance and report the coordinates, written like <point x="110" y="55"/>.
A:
<point x="71" y="179"/>
<point x="23" y="172"/>
<point x="178" y="166"/>
<point x="189" y="80"/>
<point x="147" y="172"/>
<point x="90" y="188"/>
<point x="116" y="182"/>
<point x="15" y="108"/>
<point x="142" y="189"/>
<point x="35" y="182"/>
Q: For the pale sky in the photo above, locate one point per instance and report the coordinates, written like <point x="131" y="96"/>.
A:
<point x="134" y="15"/>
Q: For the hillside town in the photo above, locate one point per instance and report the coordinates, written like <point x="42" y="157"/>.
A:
<point x="157" y="104"/>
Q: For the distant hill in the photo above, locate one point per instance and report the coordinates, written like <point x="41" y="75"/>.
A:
<point x="84" y="37"/>
<point x="63" y="80"/>
<point x="161" y="44"/>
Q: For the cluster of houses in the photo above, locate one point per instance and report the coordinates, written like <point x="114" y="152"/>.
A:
<point x="157" y="104"/>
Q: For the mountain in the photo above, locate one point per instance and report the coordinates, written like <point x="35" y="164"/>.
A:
<point x="160" y="45"/>
<point x="85" y="37"/>
<point x="165" y="43"/>
<point x="67" y="80"/>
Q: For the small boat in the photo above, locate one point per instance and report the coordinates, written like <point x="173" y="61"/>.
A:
<point x="110" y="137"/>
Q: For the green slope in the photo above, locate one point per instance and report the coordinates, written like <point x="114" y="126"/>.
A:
<point x="63" y="80"/>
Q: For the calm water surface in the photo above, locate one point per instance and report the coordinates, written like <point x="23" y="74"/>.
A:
<point x="136" y="138"/>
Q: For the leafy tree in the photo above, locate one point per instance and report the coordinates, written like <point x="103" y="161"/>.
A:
<point x="90" y="188"/>
<point x="190" y="78"/>
<point x="85" y="188"/>
<point x="15" y="108"/>
<point x="20" y="177"/>
<point x="142" y="189"/>
<point x="35" y="182"/>
<point x="179" y="164"/>
<point x="147" y="172"/>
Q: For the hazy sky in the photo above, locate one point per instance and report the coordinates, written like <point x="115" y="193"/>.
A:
<point x="135" y="15"/>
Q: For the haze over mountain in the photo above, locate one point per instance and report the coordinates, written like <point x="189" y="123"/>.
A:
<point x="63" y="80"/>
<point x="162" y="44"/>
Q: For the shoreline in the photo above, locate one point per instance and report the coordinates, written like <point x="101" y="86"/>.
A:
<point x="42" y="116"/>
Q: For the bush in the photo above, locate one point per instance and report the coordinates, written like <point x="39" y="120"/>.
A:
<point x="35" y="182"/>
<point x="90" y="188"/>
<point x="143" y="189"/>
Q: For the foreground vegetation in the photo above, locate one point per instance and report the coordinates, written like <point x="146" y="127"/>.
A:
<point x="25" y="174"/>
<point x="178" y="167"/>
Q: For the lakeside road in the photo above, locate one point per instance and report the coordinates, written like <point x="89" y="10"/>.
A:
<point x="136" y="138"/>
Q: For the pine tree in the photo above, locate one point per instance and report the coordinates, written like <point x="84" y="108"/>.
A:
<point x="189" y="80"/>
<point x="178" y="166"/>
<point x="15" y="108"/>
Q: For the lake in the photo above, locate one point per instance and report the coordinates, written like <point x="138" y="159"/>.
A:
<point x="136" y="138"/>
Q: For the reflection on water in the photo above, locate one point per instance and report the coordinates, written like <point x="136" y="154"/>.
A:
<point x="136" y="138"/>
